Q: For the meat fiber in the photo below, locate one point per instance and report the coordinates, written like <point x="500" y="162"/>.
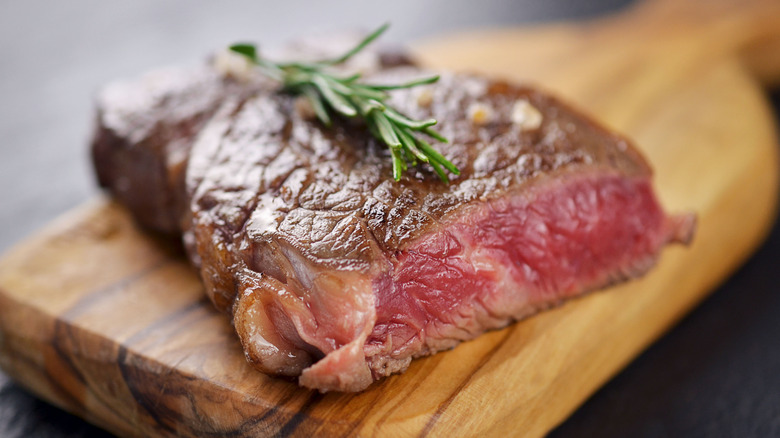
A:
<point x="334" y="272"/>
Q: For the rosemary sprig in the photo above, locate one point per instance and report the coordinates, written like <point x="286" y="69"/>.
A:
<point x="349" y="97"/>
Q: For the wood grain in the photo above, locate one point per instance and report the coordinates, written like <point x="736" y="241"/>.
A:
<point x="111" y="323"/>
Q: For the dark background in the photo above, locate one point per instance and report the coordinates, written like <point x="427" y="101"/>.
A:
<point x="716" y="374"/>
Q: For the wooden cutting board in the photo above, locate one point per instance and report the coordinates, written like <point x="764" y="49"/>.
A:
<point x="112" y="324"/>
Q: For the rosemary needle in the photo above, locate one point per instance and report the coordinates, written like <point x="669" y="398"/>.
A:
<point x="349" y="97"/>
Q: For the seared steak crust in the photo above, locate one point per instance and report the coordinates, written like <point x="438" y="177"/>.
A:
<point x="145" y="127"/>
<point x="143" y="136"/>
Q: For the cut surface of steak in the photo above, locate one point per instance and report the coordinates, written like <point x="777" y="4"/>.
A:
<point x="336" y="273"/>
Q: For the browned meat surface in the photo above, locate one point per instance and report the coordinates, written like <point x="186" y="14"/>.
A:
<point x="336" y="273"/>
<point x="145" y="127"/>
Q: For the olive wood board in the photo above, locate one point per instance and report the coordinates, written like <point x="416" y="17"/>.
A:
<point x="112" y="324"/>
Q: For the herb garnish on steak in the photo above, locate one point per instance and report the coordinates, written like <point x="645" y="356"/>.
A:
<point x="348" y="96"/>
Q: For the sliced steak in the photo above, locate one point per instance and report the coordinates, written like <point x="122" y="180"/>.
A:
<point x="335" y="273"/>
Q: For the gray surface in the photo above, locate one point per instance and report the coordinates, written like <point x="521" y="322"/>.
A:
<point x="714" y="375"/>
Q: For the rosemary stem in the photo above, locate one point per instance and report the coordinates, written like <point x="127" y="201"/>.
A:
<point x="348" y="97"/>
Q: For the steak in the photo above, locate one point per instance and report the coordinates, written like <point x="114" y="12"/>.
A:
<point x="338" y="275"/>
